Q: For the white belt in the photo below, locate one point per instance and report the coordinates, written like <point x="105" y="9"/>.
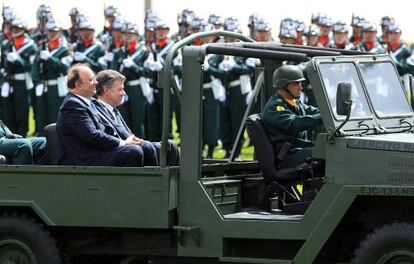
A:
<point x="51" y="82"/>
<point x="133" y="82"/>
<point x="18" y="76"/>
<point x="234" y="83"/>
<point x="207" y="85"/>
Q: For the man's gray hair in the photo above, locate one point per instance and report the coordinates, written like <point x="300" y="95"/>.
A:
<point x="106" y="78"/>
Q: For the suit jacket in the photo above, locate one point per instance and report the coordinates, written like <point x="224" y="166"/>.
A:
<point x="84" y="134"/>
<point x="120" y="129"/>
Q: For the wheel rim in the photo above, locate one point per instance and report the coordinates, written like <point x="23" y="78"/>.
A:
<point x="400" y="256"/>
<point x="13" y="251"/>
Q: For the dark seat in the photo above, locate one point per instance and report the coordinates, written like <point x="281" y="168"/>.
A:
<point x="282" y="182"/>
<point x="54" y="146"/>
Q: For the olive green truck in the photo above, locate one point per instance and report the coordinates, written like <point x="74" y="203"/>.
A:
<point x="359" y="208"/>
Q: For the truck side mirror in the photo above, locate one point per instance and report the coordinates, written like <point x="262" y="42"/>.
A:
<point x="343" y="99"/>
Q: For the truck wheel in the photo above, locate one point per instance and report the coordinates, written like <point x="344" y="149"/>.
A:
<point x="390" y="244"/>
<point x="23" y="240"/>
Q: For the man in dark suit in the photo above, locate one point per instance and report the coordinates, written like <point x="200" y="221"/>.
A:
<point x="110" y="93"/>
<point x="87" y="137"/>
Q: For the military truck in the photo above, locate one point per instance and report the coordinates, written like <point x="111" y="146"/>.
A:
<point x="358" y="208"/>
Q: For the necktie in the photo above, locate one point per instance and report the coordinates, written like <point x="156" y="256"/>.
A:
<point x="120" y="120"/>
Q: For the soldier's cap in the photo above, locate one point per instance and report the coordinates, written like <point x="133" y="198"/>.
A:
<point x="286" y="22"/>
<point x="161" y="24"/>
<point x="369" y="27"/>
<point x="150" y="15"/>
<point x="150" y="25"/>
<point x="232" y="24"/>
<point x="325" y="21"/>
<point x="85" y="23"/>
<point x="43" y="11"/>
<point x="340" y="27"/>
<point x="185" y="17"/>
<point x="253" y="19"/>
<point x="299" y="26"/>
<point x="312" y="30"/>
<point x="263" y="26"/>
<point x="357" y="21"/>
<point x="315" y="17"/>
<point x="197" y="23"/>
<point x="394" y="28"/>
<point x="288" y="32"/>
<point x="286" y="74"/>
<point x="8" y="14"/>
<point x="387" y="21"/>
<point x="111" y="11"/>
<point x="19" y="23"/>
<point x="53" y="25"/>
<point x="74" y="11"/>
<point x="215" y="19"/>
<point x="118" y="24"/>
<point x="131" y="28"/>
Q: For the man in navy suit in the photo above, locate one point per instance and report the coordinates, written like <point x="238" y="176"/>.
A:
<point x="110" y="93"/>
<point x="87" y="137"/>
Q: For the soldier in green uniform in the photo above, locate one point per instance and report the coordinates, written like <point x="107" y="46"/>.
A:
<point x="49" y="76"/>
<point x="19" y="56"/>
<point x="369" y="39"/>
<point x="356" y="24"/>
<point x="312" y="36"/>
<point x="20" y="150"/>
<point x="386" y="21"/>
<point x="236" y="78"/>
<point x="110" y="13"/>
<point x="72" y="33"/>
<point x="398" y="49"/>
<point x="137" y="87"/>
<point x="159" y="49"/>
<point x="87" y="49"/>
<point x="325" y="25"/>
<point x="116" y="43"/>
<point x="149" y="28"/>
<point x="286" y="120"/>
<point x="5" y="38"/>
<point x="340" y="37"/>
<point x="183" y="21"/>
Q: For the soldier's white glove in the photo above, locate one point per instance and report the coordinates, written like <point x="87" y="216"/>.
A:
<point x="39" y="89"/>
<point x="150" y="97"/>
<point x="5" y="89"/>
<point x="67" y="60"/>
<point x="79" y="56"/>
<point x="45" y="55"/>
<point x="178" y="61"/>
<point x="226" y="65"/>
<point x="249" y="97"/>
<point x="222" y="98"/>
<point x="110" y="56"/>
<point x="252" y="62"/>
<point x="12" y="56"/>
<point x="128" y="62"/>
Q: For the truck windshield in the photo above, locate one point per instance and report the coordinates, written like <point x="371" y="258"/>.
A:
<point x="335" y="73"/>
<point x="384" y="89"/>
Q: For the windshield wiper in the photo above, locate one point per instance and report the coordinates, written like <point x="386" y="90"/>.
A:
<point x="362" y="125"/>
<point x="404" y="121"/>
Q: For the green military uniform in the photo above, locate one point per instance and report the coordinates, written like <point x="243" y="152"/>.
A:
<point x="211" y="109"/>
<point x="133" y="110"/>
<point x="18" y="75"/>
<point x="233" y="109"/>
<point x="155" y="109"/>
<point x="21" y="150"/>
<point x="400" y="56"/>
<point x="376" y="48"/>
<point x="94" y="55"/>
<point x="285" y="123"/>
<point x="49" y="92"/>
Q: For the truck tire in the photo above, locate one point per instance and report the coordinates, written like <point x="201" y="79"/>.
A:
<point x="23" y="240"/>
<point x="393" y="243"/>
